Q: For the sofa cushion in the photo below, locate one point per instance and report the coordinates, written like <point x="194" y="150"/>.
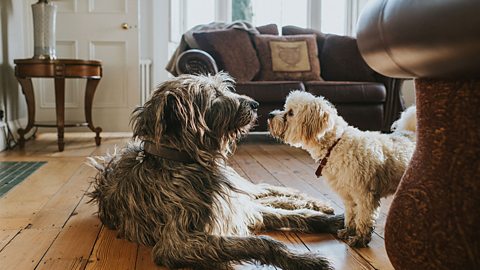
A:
<point x="287" y="57"/>
<point x="348" y="92"/>
<point x="362" y="116"/>
<point x="268" y="91"/>
<point x="233" y="51"/>
<point x="268" y="29"/>
<point x="291" y="30"/>
<point x="340" y="60"/>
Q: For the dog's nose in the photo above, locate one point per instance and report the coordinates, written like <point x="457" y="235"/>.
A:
<point x="271" y="115"/>
<point x="254" y="104"/>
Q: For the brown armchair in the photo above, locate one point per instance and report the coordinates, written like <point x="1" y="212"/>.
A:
<point x="365" y="98"/>
<point x="433" y="221"/>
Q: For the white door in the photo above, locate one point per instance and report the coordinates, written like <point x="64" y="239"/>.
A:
<point x="103" y="30"/>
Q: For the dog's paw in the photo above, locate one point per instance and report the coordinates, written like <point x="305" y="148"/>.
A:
<point x="321" y="207"/>
<point x="345" y="233"/>
<point x="336" y="223"/>
<point x="359" y="241"/>
<point x="309" y="261"/>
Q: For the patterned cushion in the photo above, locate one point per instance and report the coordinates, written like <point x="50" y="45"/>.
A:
<point x="288" y="57"/>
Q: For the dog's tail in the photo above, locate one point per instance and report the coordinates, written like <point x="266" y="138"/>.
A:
<point x="407" y="121"/>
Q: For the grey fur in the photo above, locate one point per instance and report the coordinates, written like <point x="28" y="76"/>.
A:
<point x="203" y="214"/>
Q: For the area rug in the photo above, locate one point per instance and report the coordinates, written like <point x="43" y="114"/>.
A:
<point x="13" y="173"/>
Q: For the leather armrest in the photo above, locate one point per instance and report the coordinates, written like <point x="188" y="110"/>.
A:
<point x="421" y="39"/>
<point x="196" y="61"/>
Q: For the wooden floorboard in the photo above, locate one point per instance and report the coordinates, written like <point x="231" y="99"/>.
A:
<point x="74" y="245"/>
<point x="46" y="222"/>
<point x="27" y="248"/>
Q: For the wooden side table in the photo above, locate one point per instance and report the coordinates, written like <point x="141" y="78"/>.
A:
<point x="59" y="70"/>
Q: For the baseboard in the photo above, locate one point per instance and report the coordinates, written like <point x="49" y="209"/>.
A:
<point x="14" y="125"/>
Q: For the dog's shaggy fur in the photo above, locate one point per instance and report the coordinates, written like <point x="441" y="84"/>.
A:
<point x="362" y="167"/>
<point x="201" y="214"/>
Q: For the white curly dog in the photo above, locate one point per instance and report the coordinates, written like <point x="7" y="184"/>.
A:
<point x="361" y="166"/>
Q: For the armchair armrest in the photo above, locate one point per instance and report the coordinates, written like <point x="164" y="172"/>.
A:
<point x="196" y="61"/>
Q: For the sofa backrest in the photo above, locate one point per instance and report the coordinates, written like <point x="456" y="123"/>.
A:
<point x="340" y="59"/>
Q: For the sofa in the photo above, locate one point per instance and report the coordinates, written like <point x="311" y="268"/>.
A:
<point x="365" y="98"/>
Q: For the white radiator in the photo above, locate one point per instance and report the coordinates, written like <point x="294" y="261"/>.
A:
<point x="145" y="79"/>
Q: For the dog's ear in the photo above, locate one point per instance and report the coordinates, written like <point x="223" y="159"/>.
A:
<point x="221" y="114"/>
<point x="178" y="115"/>
<point x="316" y="122"/>
<point x="171" y="115"/>
<point x="139" y="125"/>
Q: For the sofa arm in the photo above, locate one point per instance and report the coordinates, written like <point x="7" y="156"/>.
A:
<point x="196" y="61"/>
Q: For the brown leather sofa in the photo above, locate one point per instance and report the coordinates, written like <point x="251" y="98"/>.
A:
<point x="362" y="96"/>
<point x="434" y="219"/>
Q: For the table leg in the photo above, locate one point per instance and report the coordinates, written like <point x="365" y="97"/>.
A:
<point x="89" y="93"/>
<point x="27" y="89"/>
<point x="60" y="109"/>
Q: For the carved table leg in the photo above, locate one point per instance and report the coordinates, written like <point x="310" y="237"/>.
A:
<point x="89" y="93"/>
<point x="433" y="222"/>
<point x="60" y="109"/>
<point x="27" y="89"/>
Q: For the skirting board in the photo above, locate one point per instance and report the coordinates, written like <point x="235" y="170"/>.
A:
<point x="14" y="126"/>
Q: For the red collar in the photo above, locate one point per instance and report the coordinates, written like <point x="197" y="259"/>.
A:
<point x="324" y="160"/>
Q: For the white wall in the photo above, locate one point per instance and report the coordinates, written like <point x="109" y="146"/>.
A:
<point x="12" y="47"/>
<point x="154" y="36"/>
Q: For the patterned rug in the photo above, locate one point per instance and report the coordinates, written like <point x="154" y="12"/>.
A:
<point x="13" y="173"/>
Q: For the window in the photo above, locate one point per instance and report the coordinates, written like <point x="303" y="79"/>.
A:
<point x="199" y="12"/>
<point x="330" y="16"/>
<point x="334" y="16"/>
<point x="280" y="12"/>
<point x="185" y="14"/>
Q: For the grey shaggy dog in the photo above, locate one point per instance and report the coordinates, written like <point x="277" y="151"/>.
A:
<point x="201" y="213"/>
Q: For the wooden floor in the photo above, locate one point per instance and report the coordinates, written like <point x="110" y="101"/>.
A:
<point x="45" y="222"/>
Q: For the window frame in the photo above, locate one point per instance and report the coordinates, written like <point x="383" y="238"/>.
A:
<point x="223" y="12"/>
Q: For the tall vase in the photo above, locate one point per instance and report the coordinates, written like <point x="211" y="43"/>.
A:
<point x="44" y="17"/>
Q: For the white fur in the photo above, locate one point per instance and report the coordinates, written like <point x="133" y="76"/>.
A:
<point x="233" y="217"/>
<point x="363" y="167"/>
<point x="407" y="121"/>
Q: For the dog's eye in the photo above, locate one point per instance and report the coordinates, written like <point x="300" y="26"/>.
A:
<point x="290" y="113"/>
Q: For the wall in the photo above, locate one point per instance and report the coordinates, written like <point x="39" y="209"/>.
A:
<point x="408" y="91"/>
<point x="11" y="99"/>
<point x="154" y="36"/>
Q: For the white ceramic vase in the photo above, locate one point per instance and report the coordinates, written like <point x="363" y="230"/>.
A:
<point x="44" y="17"/>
